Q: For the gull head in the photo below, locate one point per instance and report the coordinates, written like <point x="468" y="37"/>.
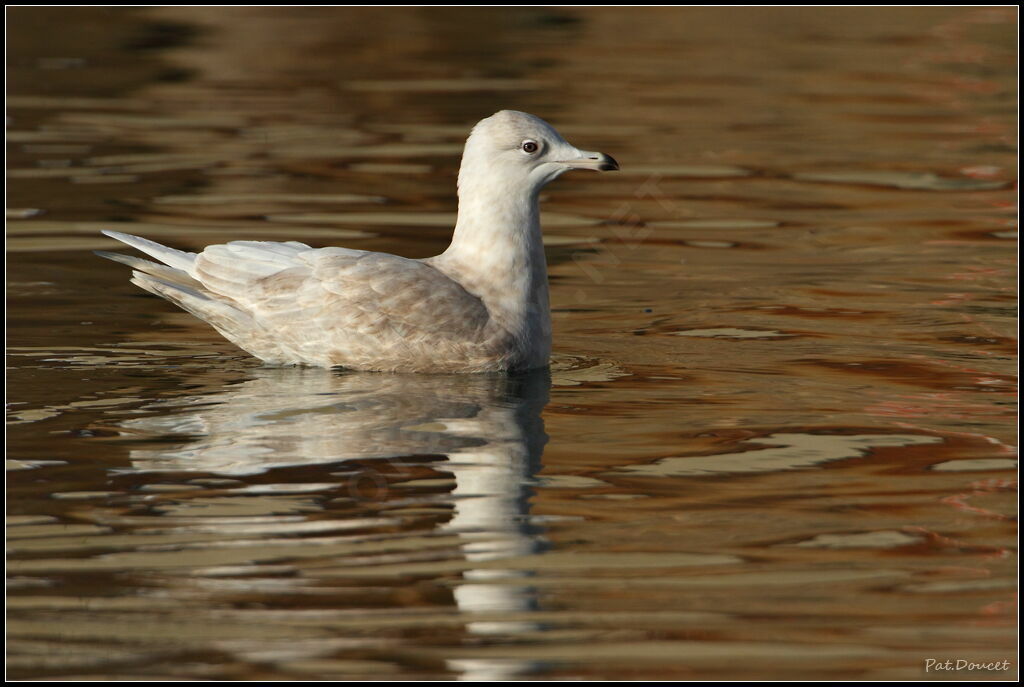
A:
<point x="519" y="150"/>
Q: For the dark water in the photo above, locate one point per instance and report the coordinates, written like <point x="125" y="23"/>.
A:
<point x="777" y="437"/>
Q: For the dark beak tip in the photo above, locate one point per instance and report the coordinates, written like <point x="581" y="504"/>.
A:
<point x="608" y="164"/>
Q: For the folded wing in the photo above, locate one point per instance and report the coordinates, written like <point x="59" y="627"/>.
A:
<point x="289" y="303"/>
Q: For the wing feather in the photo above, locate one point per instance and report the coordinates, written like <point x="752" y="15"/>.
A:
<point x="328" y="306"/>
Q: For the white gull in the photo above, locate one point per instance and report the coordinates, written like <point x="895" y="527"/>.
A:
<point x="480" y="306"/>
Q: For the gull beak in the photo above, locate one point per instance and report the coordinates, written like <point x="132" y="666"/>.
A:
<point x="589" y="160"/>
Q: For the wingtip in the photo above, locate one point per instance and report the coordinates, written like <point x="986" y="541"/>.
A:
<point x="116" y="257"/>
<point x="120" y="236"/>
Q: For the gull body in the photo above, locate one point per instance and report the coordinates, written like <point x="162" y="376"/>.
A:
<point x="480" y="306"/>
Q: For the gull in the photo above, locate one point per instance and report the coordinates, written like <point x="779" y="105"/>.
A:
<point x="480" y="306"/>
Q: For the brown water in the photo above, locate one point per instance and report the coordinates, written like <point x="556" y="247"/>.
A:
<point x="776" y="438"/>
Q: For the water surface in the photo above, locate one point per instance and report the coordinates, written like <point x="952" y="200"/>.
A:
<point x="776" y="439"/>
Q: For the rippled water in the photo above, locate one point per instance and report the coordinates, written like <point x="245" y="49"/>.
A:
<point x="776" y="437"/>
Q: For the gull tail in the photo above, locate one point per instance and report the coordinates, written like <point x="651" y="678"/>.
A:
<point x="176" y="271"/>
<point x="178" y="259"/>
<point x="224" y="317"/>
<point x="175" y="281"/>
<point x="162" y="272"/>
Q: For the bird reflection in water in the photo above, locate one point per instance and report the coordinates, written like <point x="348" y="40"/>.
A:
<point x="486" y="431"/>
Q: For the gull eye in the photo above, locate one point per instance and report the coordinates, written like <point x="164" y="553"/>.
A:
<point x="530" y="147"/>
